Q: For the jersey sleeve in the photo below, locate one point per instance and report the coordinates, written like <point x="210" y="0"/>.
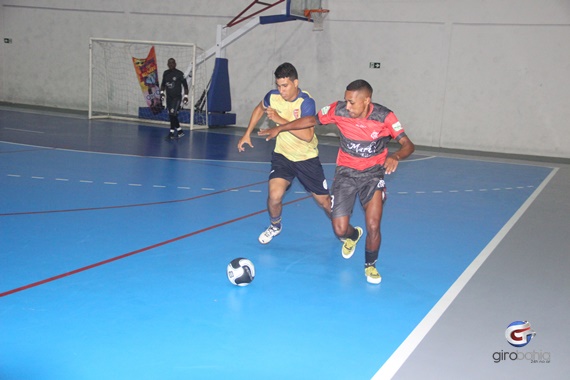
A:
<point x="308" y="107"/>
<point x="185" y="84"/>
<point x="162" y="81"/>
<point x="396" y="129"/>
<point x="267" y="99"/>
<point x="326" y="114"/>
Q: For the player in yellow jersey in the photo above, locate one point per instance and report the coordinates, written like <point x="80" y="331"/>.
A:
<point x="295" y="154"/>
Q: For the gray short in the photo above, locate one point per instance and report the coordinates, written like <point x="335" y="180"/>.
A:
<point x="351" y="182"/>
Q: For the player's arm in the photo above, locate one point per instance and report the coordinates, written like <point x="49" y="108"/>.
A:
<point x="303" y="134"/>
<point x="185" y="85"/>
<point x="162" y="88"/>
<point x="307" y="108"/>
<point x="407" y="147"/>
<point x="256" y="115"/>
<point x="295" y="125"/>
<point x="273" y="115"/>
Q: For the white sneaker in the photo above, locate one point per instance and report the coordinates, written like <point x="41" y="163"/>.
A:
<point x="268" y="235"/>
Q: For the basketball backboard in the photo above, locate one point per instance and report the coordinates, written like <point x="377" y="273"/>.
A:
<point x="296" y="8"/>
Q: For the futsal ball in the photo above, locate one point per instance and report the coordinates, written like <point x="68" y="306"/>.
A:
<point x="240" y="271"/>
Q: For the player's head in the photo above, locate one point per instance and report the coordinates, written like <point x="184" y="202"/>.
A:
<point x="171" y="63"/>
<point x="287" y="81"/>
<point x="358" y="96"/>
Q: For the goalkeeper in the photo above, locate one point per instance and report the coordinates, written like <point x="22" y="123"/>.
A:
<point x="171" y="85"/>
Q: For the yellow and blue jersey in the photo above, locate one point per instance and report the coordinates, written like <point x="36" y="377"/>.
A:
<point x="287" y="143"/>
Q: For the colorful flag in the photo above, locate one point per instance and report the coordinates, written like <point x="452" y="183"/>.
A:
<point x="147" y="73"/>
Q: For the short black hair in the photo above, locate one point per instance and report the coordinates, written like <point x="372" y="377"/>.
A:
<point x="359" y="85"/>
<point x="286" y="70"/>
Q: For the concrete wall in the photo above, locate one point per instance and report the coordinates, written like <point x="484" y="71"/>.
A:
<point x="489" y="75"/>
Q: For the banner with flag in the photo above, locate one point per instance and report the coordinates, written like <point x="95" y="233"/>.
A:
<point x="147" y="74"/>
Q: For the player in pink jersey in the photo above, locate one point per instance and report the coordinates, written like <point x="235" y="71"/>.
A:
<point x="365" y="130"/>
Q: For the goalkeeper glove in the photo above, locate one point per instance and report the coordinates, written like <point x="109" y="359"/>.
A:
<point x="185" y="99"/>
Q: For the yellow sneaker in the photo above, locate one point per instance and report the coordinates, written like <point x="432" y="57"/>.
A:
<point x="349" y="245"/>
<point x="372" y="275"/>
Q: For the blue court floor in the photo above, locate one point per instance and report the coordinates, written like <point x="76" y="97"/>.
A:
<point x="114" y="244"/>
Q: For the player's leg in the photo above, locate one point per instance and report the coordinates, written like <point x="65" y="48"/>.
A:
<point x="311" y="175"/>
<point x="280" y="179"/>
<point x="179" y="132"/>
<point x="373" y="195"/>
<point x="342" y="227"/>
<point x="344" y="192"/>
<point x="324" y="201"/>
<point x="173" y="105"/>
<point x="277" y="189"/>
<point x="373" y="215"/>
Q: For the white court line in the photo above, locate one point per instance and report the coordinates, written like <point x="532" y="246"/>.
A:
<point x="24" y="130"/>
<point x="397" y="359"/>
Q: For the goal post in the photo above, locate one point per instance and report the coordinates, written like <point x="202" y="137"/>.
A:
<point x="125" y="75"/>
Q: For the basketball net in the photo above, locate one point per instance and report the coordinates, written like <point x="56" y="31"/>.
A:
<point x="318" y="18"/>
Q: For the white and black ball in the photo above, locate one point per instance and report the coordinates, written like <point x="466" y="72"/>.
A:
<point x="240" y="271"/>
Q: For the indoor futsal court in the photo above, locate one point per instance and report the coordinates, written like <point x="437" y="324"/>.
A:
<point x="115" y="244"/>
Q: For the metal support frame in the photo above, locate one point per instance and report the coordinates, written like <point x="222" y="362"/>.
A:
<point x="219" y="50"/>
<point x="237" y="19"/>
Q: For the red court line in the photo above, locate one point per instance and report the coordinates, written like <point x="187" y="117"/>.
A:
<point x="128" y="206"/>
<point x="116" y="258"/>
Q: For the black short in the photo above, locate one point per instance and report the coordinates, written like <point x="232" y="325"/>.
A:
<point x="309" y="172"/>
<point x="173" y="105"/>
<point x="351" y="182"/>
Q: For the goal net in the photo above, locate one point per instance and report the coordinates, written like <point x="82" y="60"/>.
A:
<point x="125" y="75"/>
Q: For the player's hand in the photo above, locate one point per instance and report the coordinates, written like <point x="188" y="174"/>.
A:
<point x="242" y="141"/>
<point x="391" y="164"/>
<point x="271" y="113"/>
<point x="185" y="99"/>
<point x="271" y="133"/>
<point x="162" y="96"/>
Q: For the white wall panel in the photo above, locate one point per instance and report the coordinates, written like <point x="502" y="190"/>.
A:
<point x="489" y="75"/>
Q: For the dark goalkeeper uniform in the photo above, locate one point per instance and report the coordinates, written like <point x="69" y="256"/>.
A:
<point x="172" y="82"/>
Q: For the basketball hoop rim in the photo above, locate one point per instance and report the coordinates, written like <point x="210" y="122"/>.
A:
<point x="320" y="10"/>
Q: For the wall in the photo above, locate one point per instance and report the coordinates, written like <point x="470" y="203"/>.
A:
<point x="472" y="74"/>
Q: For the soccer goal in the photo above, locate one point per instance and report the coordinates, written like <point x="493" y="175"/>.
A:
<point x="125" y="75"/>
